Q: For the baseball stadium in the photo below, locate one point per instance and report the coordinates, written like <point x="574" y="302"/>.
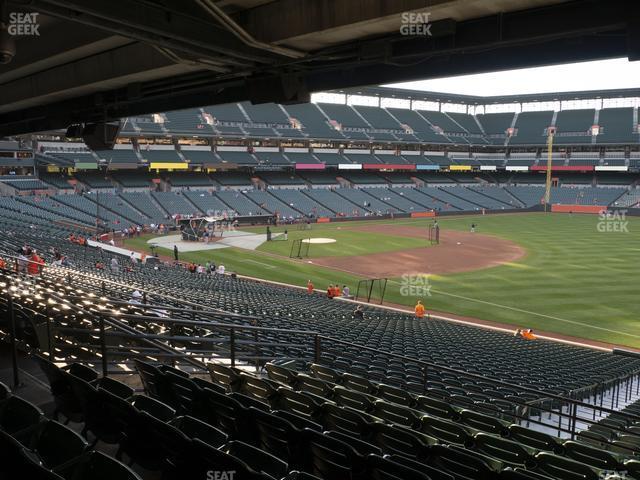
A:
<point x="302" y="240"/>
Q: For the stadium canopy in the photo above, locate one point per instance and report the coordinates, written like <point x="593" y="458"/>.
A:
<point x="100" y="60"/>
<point x="440" y="97"/>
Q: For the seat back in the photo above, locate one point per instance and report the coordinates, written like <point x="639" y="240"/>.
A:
<point x="356" y="400"/>
<point x="445" y="431"/>
<point x="153" y="407"/>
<point x="56" y="444"/>
<point x="224" y="412"/>
<point x="378" y="468"/>
<point x="344" y="420"/>
<point x="328" y="457"/>
<point x="227" y="377"/>
<point x="18" y="415"/>
<point x="565" y="468"/>
<point x="97" y="466"/>
<point x="358" y="383"/>
<point x="464" y="463"/>
<point x="257" y="459"/>
<point x="298" y="402"/>
<point x="396" y="414"/>
<point x="280" y="374"/>
<point x="273" y="434"/>
<point x="396" y="395"/>
<point x="325" y="373"/>
<point x="194" y="428"/>
<point x="396" y="440"/>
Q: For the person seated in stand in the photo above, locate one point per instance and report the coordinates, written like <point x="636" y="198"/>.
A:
<point x="35" y="266"/>
<point x="345" y="291"/>
<point x="420" y="310"/>
<point x="3" y="264"/>
<point x="136" y="298"/>
<point x="336" y="290"/>
<point x="309" y="287"/>
<point x="528" y="334"/>
<point x="330" y="291"/>
<point x="358" y="313"/>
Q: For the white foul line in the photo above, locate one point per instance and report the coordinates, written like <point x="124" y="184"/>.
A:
<point x="551" y="317"/>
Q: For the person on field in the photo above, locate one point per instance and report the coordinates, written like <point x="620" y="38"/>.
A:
<point x="309" y="287"/>
<point x="420" y="310"/>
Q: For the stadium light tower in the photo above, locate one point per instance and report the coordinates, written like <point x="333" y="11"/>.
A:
<point x="547" y="193"/>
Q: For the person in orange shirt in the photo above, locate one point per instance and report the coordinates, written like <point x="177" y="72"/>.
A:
<point x="528" y="334"/>
<point x="336" y="291"/>
<point x="34" y="267"/>
<point x="330" y="291"/>
<point x="309" y="287"/>
<point x="3" y="264"/>
<point x="420" y="310"/>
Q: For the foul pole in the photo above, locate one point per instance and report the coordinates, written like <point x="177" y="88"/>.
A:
<point x="547" y="193"/>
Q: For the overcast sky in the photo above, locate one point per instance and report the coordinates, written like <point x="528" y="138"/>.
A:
<point x="599" y="75"/>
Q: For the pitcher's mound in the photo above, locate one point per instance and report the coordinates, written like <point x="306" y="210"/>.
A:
<point x="458" y="252"/>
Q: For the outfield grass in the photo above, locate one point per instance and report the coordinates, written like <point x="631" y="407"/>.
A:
<point x="574" y="279"/>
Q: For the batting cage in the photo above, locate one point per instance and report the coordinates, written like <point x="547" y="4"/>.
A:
<point x="300" y="248"/>
<point x="371" y="288"/>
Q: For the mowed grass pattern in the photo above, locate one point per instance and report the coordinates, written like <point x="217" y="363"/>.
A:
<point x="574" y="279"/>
